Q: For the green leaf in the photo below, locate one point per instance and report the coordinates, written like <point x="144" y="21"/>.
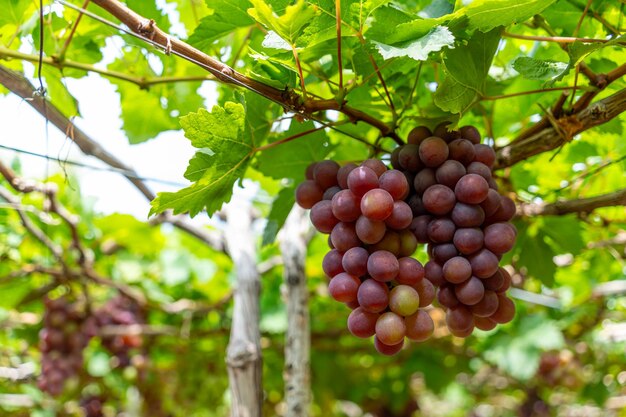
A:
<point x="290" y="159"/>
<point x="536" y="255"/>
<point x="226" y="16"/>
<point x="467" y="67"/>
<point x="13" y="11"/>
<point x="221" y="131"/>
<point x="538" y="69"/>
<point x="486" y="15"/>
<point x="290" y="25"/>
<point x="434" y="41"/>
<point x="278" y="214"/>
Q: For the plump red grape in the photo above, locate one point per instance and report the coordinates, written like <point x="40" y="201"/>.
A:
<point x="505" y="212"/>
<point x="487" y="306"/>
<point x="390" y="328"/>
<point x="322" y="216"/>
<point x="434" y="273"/>
<point x="332" y="263"/>
<point x="418" y="134"/>
<point x="308" y="193"/>
<point x="419" y="227"/>
<point x="395" y="183"/>
<point x="419" y="326"/>
<point x="499" y="238"/>
<point x="370" y="231"/>
<point x="375" y="165"/>
<point x="471" y="189"/>
<point x="343" y="287"/>
<point x="467" y="215"/>
<point x="481" y="169"/>
<point x="377" y="204"/>
<point x="343" y="237"/>
<point x="387" y="349"/>
<point x="390" y="243"/>
<point x="309" y="171"/>
<point x="505" y="311"/>
<point x="383" y="266"/>
<point x="325" y="173"/>
<point x="484" y="263"/>
<point x="468" y="240"/>
<point x="439" y="199"/>
<point x="433" y="151"/>
<point x="346" y="206"/>
<point x="354" y="261"/>
<point x="459" y="318"/>
<point x="441" y="230"/>
<point x="342" y="174"/>
<point x="408" y="243"/>
<point x="443" y="251"/>
<point x="485" y="154"/>
<point x="410" y="271"/>
<point x="373" y="296"/>
<point x="462" y="150"/>
<point x="426" y="291"/>
<point x="484" y="323"/>
<point x="449" y="173"/>
<point x="361" y="180"/>
<point x="330" y="192"/>
<point x="362" y="323"/>
<point x="401" y="216"/>
<point x="424" y="179"/>
<point x="403" y="300"/>
<point x="409" y="158"/>
<point x="495" y="281"/>
<point x="470" y="292"/>
<point x="446" y="296"/>
<point x="457" y="270"/>
<point x="395" y="157"/>
<point x="491" y="203"/>
<point x="506" y="281"/>
<point x="470" y="133"/>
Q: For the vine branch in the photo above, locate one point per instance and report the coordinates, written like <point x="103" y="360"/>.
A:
<point x="581" y="205"/>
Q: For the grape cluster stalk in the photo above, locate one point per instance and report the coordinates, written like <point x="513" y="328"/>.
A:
<point x="440" y="192"/>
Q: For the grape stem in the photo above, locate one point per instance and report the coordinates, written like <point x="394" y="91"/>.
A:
<point x="579" y="205"/>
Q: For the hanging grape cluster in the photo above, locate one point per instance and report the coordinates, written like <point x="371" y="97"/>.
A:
<point x="61" y="342"/>
<point x="118" y="311"/>
<point x="92" y="406"/>
<point x="441" y="193"/>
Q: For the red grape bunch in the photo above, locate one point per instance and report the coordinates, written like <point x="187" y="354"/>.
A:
<point x="92" y="406"/>
<point x="117" y="311"/>
<point x="459" y="213"/>
<point x="364" y="211"/>
<point x="61" y="342"/>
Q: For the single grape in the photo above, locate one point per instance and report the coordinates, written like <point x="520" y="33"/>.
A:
<point x="387" y="349"/>
<point x="470" y="133"/>
<point x="441" y="230"/>
<point x="330" y="193"/>
<point x="343" y="287"/>
<point x="505" y="311"/>
<point x="462" y="150"/>
<point x="495" y="281"/>
<point x="487" y="306"/>
<point x="409" y="158"/>
<point x="506" y="281"/>
<point x="344" y="237"/>
<point x="370" y="231"/>
<point x="478" y="168"/>
<point x="332" y="263"/>
<point x="390" y="328"/>
<point x="484" y="263"/>
<point x="404" y="300"/>
<point x="426" y="291"/>
<point x="419" y="227"/>
<point x="377" y="204"/>
<point x="354" y="261"/>
<point x="468" y="240"/>
<point x="408" y="243"/>
<point x="491" y="203"/>
<point x="505" y="212"/>
<point x="424" y="179"/>
<point x="383" y="266"/>
<point x="471" y="189"/>
<point x="499" y="238"/>
<point x="446" y="296"/>
<point x="362" y="323"/>
<point x="346" y="206"/>
<point x="467" y="215"/>
<point x="439" y="199"/>
<point x="395" y="183"/>
<point x="308" y="193"/>
<point x="361" y="180"/>
<point x="395" y="157"/>
<point x="375" y="165"/>
<point x="433" y="151"/>
<point x="462" y="333"/>
<point x="449" y="173"/>
<point x="390" y="242"/>
<point x="325" y="173"/>
<point x="418" y="134"/>
<point x="457" y="270"/>
<point x="322" y="216"/>
<point x="401" y="216"/>
<point x="470" y="292"/>
<point x="485" y="154"/>
<point x="373" y="296"/>
<point x="342" y="174"/>
<point x="410" y="271"/>
<point x="443" y="252"/>
<point x="309" y="171"/>
<point x="434" y="273"/>
<point x="459" y="318"/>
<point x="419" y="326"/>
<point x="484" y="323"/>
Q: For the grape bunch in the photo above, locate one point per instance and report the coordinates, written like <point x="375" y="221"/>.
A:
<point x="440" y="192"/>
<point x="364" y="211"/>
<point x="117" y="311"/>
<point x="92" y="406"/>
<point x="459" y="213"/>
<point x="61" y="342"/>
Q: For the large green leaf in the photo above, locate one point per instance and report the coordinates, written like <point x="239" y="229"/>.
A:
<point x="434" y="41"/>
<point x="222" y="131"/>
<point x="226" y="16"/>
<point x="486" y="15"/>
<point x="288" y="26"/>
<point x="281" y="206"/>
<point x="538" y="69"/>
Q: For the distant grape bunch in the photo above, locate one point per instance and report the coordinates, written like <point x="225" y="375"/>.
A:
<point x="118" y="311"/>
<point x="441" y="193"/>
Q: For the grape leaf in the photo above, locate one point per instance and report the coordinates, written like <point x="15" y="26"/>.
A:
<point x="221" y="131"/>
<point x="278" y="214"/>
<point x="466" y="67"/>
<point x="538" y="69"/>
<point x="435" y="40"/>
<point x="290" y="25"/>
<point x="227" y="16"/>
<point x="486" y="15"/>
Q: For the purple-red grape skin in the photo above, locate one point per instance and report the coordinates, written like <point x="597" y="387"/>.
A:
<point x="361" y="180"/>
<point x="362" y="323"/>
<point x="308" y="194"/>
